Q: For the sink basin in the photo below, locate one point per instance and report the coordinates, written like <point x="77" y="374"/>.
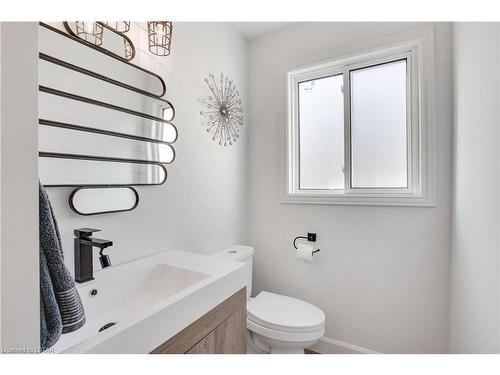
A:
<point x="134" y="307"/>
<point x="127" y="294"/>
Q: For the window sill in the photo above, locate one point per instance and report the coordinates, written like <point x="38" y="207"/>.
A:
<point x="405" y="201"/>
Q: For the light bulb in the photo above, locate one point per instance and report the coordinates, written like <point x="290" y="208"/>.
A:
<point x="160" y="29"/>
<point x="89" y="27"/>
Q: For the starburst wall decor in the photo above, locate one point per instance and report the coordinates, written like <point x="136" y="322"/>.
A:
<point x="223" y="114"/>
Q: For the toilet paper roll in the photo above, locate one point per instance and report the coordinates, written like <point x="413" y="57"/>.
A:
<point x="305" y="252"/>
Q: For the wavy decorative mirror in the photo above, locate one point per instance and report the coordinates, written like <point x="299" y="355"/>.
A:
<point x="57" y="140"/>
<point x="98" y="200"/>
<point x="104" y="125"/>
<point x="83" y="86"/>
<point x="56" y="109"/>
<point x="60" y="172"/>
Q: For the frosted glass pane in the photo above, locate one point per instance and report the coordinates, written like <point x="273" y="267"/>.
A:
<point x="378" y="126"/>
<point x="321" y="133"/>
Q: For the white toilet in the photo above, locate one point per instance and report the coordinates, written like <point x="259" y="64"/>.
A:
<point x="276" y="323"/>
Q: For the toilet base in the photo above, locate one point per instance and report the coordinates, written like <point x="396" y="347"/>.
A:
<point x="278" y="351"/>
<point x="258" y="344"/>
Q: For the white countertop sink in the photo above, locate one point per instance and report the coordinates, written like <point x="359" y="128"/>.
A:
<point x="149" y="300"/>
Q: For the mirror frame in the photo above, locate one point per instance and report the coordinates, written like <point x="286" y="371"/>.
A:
<point x="90" y="73"/>
<point x="43" y="120"/>
<point x="74" y="192"/>
<point x="45" y="149"/>
<point x="68" y="95"/>
<point x="83" y="158"/>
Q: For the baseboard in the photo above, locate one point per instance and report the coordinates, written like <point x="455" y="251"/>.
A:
<point x="327" y="345"/>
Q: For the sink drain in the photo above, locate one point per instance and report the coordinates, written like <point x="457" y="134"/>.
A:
<point x="106" y="326"/>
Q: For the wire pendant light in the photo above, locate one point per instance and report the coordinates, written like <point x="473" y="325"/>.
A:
<point x="160" y="37"/>
<point x="89" y="31"/>
<point x="120" y="26"/>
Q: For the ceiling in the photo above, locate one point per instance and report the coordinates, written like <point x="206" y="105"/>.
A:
<point x="254" y="29"/>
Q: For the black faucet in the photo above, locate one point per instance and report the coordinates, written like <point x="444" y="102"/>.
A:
<point x="83" y="254"/>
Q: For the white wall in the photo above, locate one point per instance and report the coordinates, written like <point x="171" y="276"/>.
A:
<point x="475" y="279"/>
<point x="202" y="206"/>
<point x="19" y="294"/>
<point x="382" y="276"/>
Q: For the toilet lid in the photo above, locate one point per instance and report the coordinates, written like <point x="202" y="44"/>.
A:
<point x="284" y="313"/>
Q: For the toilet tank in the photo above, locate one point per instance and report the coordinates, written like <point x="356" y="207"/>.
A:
<point x="240" y="253"/>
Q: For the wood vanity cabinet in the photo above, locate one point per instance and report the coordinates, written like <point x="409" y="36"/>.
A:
<point x="220" y="331"/>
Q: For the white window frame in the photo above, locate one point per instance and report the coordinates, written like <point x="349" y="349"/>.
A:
<point x="418" y="53"/>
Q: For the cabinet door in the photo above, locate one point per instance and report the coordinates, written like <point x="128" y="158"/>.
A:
<point x="207" y="345"/>
<point x="227" y="338"/>
<point x="226" y="323"/>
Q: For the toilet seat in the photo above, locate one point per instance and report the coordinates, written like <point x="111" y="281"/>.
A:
<point x="285" y="336"/>
<point x="284" y="318"/>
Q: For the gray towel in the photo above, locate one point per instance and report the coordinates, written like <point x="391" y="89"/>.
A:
<point x="61" y="310"/>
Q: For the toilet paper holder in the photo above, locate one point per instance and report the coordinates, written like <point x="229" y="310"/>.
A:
<point x="311" y="237"/>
